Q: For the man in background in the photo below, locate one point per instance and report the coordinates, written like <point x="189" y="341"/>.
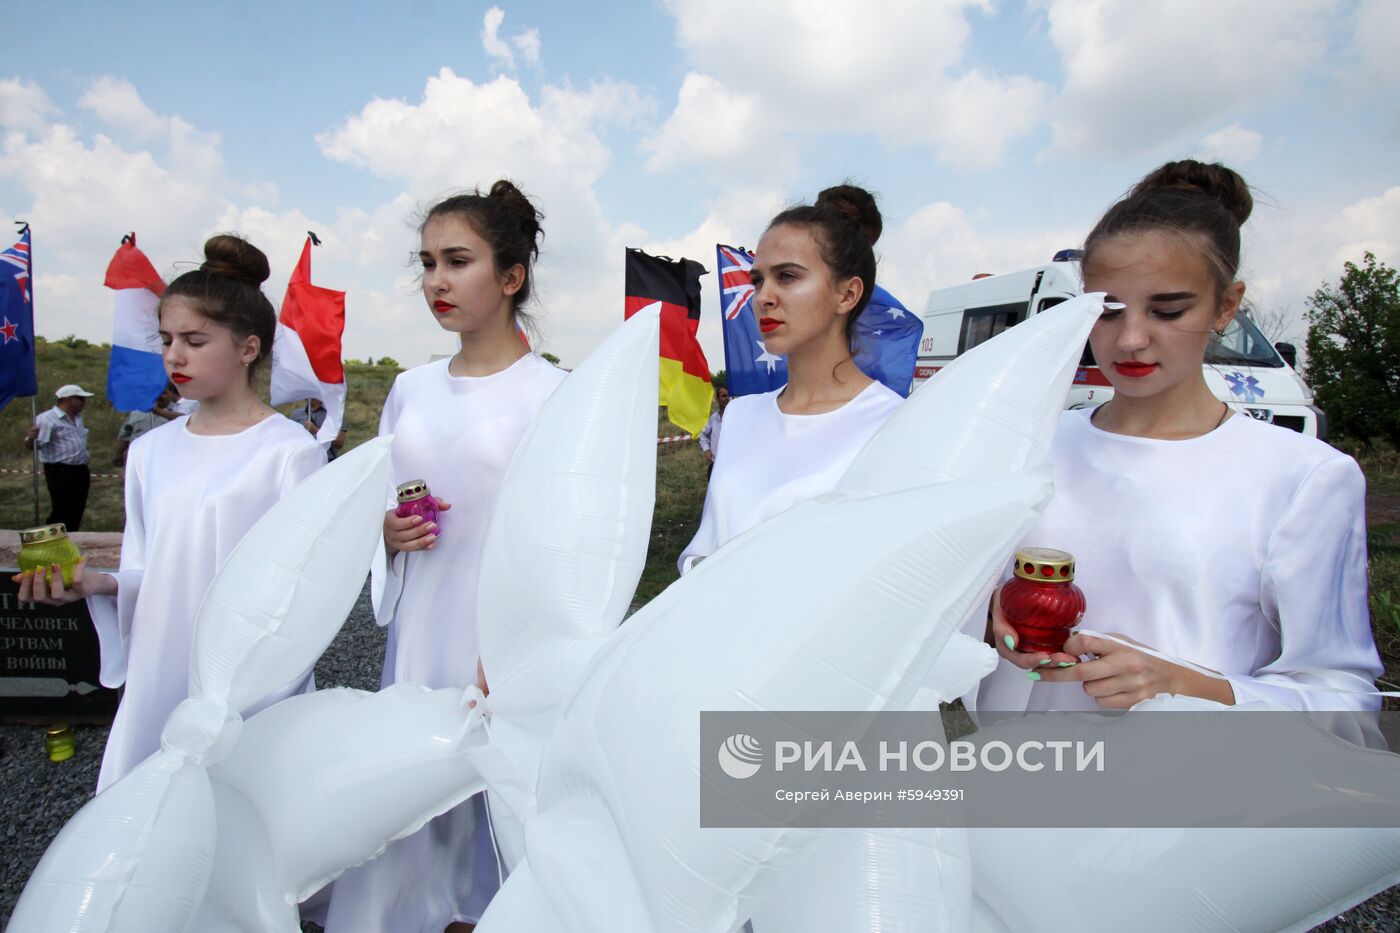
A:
<point x="61" y="438"/>
<point x="709" y="434"/>
<point x="139" y="422"/>
<point x="311" y="414"/>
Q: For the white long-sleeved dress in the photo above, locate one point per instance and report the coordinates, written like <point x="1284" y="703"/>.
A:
<point x="459" y="434"/>
<point x="190" y="498"/>
<point x="770" y="461"/>
<point x="1242" y="551"/>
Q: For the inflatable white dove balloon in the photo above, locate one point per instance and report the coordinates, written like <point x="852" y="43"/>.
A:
<point x="140" y="856"/>
<point x="992" y="410"/>
<point x="815" y="609"/>
<point x="235" y="823"/>
<point x="564" y="551"/>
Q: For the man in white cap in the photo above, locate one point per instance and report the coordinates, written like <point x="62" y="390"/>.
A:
<point x="62" y="439"/>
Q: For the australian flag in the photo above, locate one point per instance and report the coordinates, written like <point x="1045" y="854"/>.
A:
<point x="17" y="377"/>
<point x="886" y="344"/>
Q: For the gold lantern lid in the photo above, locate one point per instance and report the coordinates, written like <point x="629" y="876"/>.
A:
<point x="43" y="533"/>
<point x="1044" y="565"/>
<point x="413" y="489"/>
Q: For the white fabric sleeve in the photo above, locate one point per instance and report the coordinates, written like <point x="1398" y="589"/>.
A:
<point x="386" y="576"/>
<point x="112" y="615"/>
<point x="1313" y="588"/>
<point x="301" y="462"/>
<point x="707" y="434"/>
<point x="45" y="426"/>
<point x="706" y="538"/>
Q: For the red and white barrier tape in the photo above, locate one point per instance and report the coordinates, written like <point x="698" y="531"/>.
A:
<point x="675" y="439"/>
<point x="31" y="473"/>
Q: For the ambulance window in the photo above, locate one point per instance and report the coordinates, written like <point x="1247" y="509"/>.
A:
<point x="982" y="324"/>
<point x="1087" y="357"/>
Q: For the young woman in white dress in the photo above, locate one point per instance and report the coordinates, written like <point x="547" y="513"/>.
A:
<point x="813" y="274"/>
<point x="194" y="486"/>
<point x="1208" y="536"/>
<point x="456" y="424"/>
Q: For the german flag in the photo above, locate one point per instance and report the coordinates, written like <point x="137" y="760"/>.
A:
<point x="685" y="375"/>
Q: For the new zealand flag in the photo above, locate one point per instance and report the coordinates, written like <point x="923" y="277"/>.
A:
<point x="17" y="377"/>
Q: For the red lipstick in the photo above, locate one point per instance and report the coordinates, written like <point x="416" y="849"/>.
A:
<point x="1134" y="369"/>
<point x="768" y="324"/>
<point x="442" y="307"/>
<point x="179" y="378"/>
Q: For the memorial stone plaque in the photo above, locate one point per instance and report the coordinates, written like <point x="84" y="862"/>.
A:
<point x="49" y="661"/>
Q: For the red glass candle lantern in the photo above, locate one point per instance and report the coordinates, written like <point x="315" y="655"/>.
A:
<point x="1041" y="601"/>
<point x="414" y="499"/>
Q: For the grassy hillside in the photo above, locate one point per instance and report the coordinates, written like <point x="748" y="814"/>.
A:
<point x="60" y="363"/>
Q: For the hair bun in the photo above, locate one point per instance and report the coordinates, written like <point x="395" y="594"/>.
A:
<point x="235" y="258"/>
<point x="514" y="199"/>
<point x="859" y="207"/>
<point x="1213" y="179"/>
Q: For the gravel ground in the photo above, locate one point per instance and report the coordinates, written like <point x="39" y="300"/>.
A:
<point x="40" y="796"/>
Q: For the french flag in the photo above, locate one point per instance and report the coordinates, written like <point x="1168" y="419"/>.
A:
<point x="135" y="371"/>
<point x="306" y="352"/>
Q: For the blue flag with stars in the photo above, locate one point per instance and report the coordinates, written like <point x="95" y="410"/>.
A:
<point x="886" y="344"/>
<point x="17" y="377"/>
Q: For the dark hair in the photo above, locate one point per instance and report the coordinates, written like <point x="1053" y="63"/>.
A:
<point x="227" y="290"/>
<point x="846" y="224"/>
<point x="507" y="220"/>
<point x="1187" y="197"/>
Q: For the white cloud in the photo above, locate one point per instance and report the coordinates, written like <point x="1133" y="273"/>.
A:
<point x="713" y="125"/>
<point x="1142" y="74"/>
<point x="942" y="244"/>
<point x="23" y="105"/>
<point x="1289" y="254"/>
<point x="526" y="41"/>
<point x="892" y="69"/>
<point x="1368" y="225"/>
<point x="117" y="103"/>
<point x="463" y="134"/>
<point x="1233" y="145"/>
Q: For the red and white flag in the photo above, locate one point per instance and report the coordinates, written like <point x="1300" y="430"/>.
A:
<point x="306" y="352"/>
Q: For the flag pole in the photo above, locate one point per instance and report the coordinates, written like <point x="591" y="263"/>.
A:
<point x="33" y="399"/>
<point x="34" y="458"/>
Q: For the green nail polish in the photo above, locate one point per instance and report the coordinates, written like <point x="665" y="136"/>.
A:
<point x="1010" y="642"/>
<point x="1032" y="675"/>
<point x="1045" y="662"/>
<point x="1068" y="663"/>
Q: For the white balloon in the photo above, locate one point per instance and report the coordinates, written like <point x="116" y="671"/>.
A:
<point x="286" y="589"/>
<point x="569" y="535"/>
<point x="135" y="859"/>
<point x="877" y="575"/>
<point x="992" y="410"/>
<point x="138" y="856"/>
<point x="339" y="774"/>
<point x="1126" y="879"/>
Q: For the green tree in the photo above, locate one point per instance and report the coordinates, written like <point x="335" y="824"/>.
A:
<point x="550" y="357"/>
<point x="1354" y="351"/>
<point x="719" y="380"/>
<point x="387" y="361"/>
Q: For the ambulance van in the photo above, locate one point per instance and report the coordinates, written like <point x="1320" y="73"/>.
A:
<point x="1242" y="368"/>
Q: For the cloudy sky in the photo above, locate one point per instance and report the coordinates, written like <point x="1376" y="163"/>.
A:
<point x="993" y="132"/>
